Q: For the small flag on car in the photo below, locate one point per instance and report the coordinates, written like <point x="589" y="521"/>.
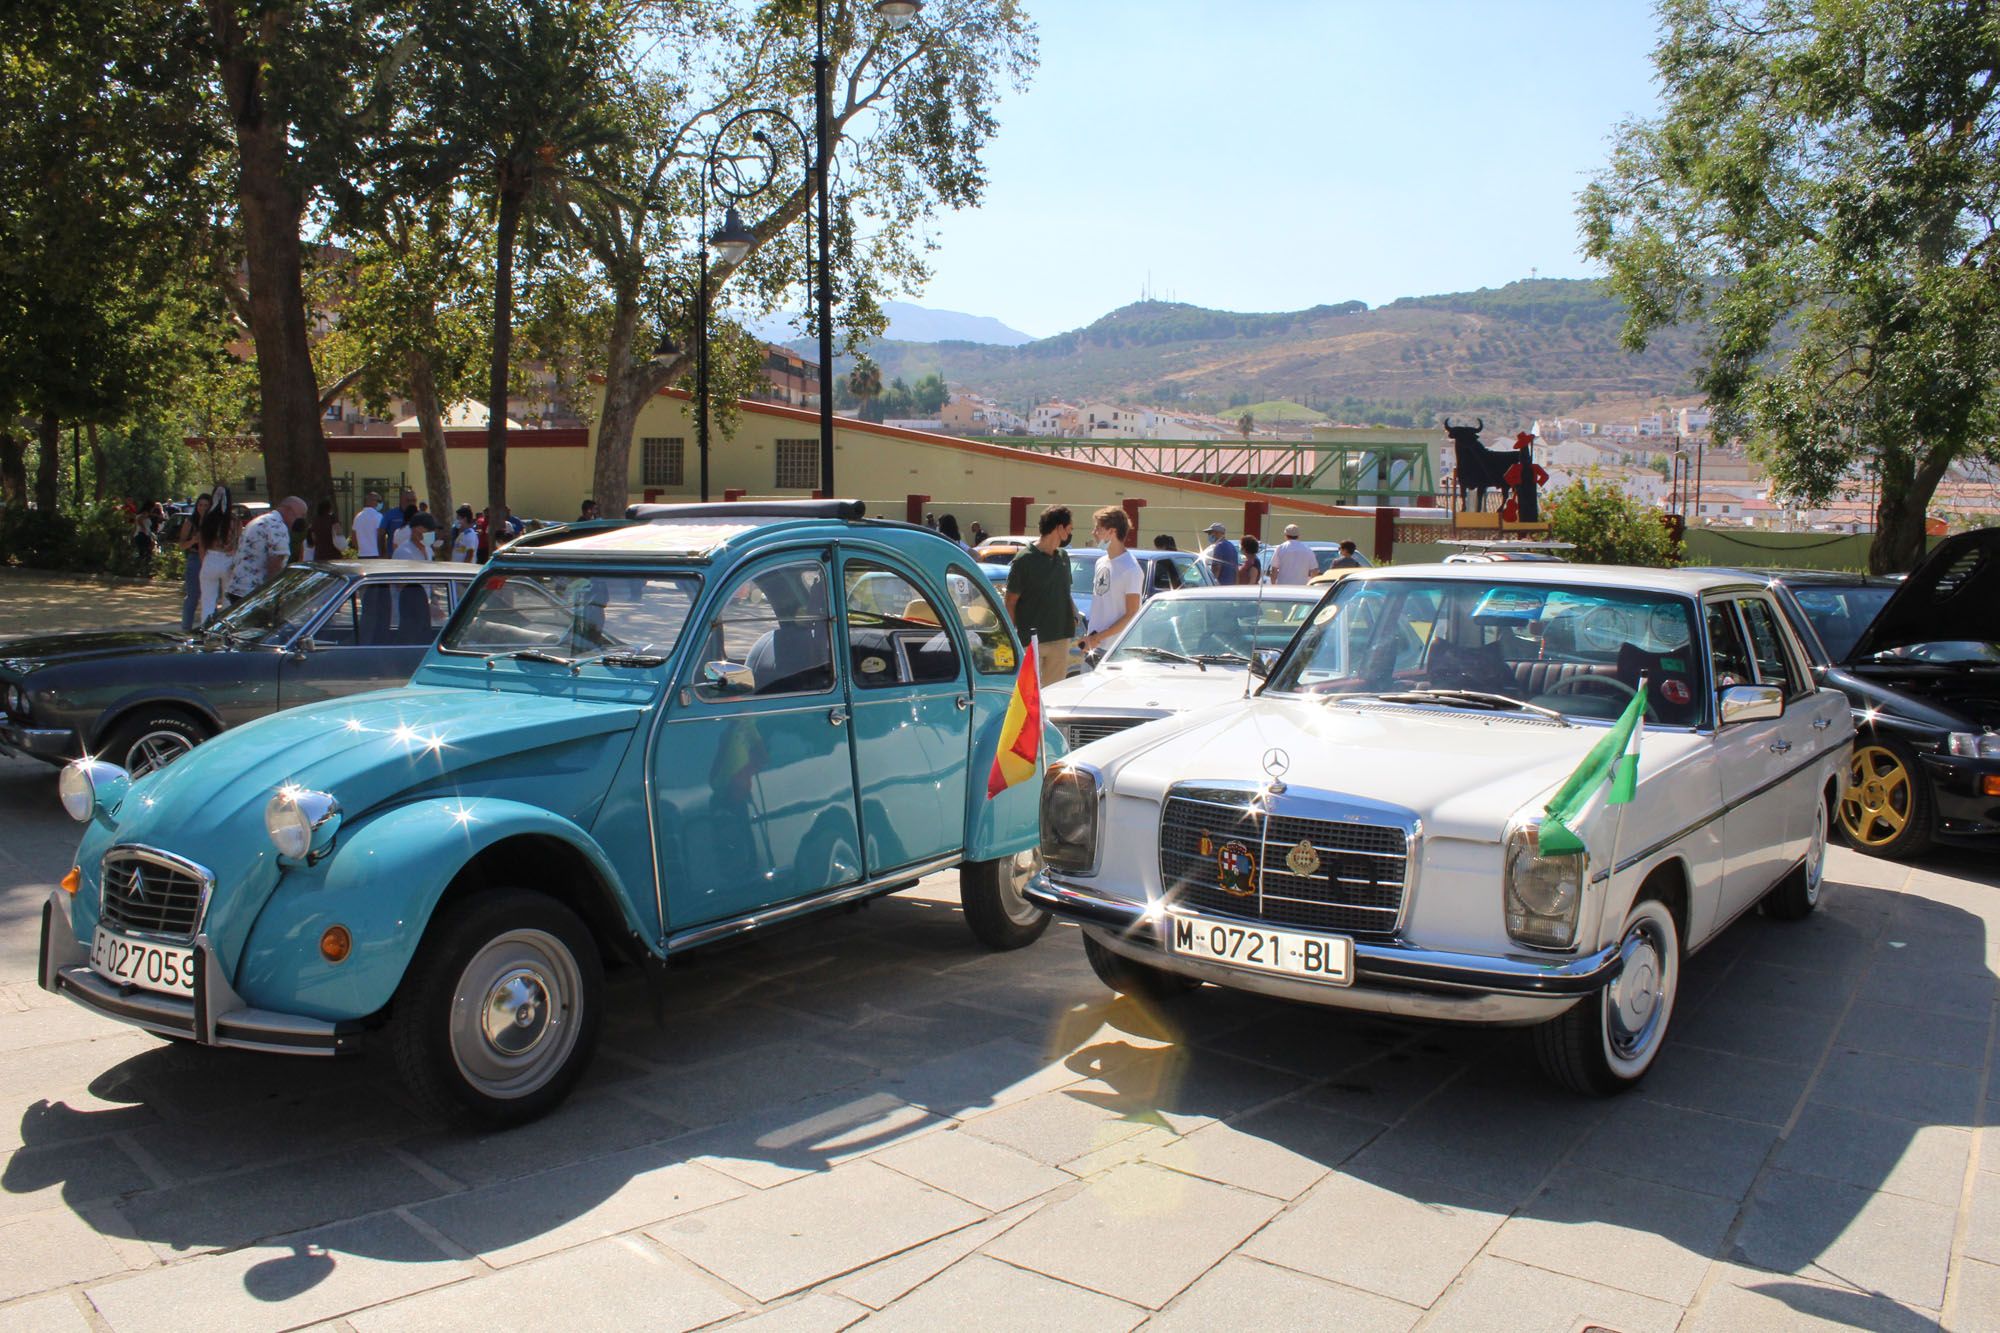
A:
<point x="1614" y="759"/>
<point x="1018" y="756"/>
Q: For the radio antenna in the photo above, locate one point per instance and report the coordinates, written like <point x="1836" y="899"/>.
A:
<point x="1255" y="625"/>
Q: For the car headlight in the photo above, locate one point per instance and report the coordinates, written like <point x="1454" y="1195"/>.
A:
<point x="1973" y="745"/>
<point x="88" y="785"/>
<point x="16" y="702"/>
<point x="1069" y="819"/>
<point x="301" y="822"/>
<point x="1544" y="893"/>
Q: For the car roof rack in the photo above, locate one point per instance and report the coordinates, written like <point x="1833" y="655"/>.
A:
<point x="840" y="509"/>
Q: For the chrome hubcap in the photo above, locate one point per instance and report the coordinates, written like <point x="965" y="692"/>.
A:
<point x="155" y="749"/>
<point x="1639" y="1000"/>
<point x="1013" y="889"/>
<point x="514" y="1017"/>
<point x="517" y="1012"/>
<point x="1816" y="855"/>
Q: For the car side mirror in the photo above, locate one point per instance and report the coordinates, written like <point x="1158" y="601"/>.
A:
<point x="1093" y="656"/>
<point x="303" y="646"/>
<point x="732" y="677"/>
<point x="1750" y="703"/>
<point x="1263" y="661"/>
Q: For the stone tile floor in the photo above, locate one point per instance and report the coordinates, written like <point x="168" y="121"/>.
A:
<point x="871" y="1120"/>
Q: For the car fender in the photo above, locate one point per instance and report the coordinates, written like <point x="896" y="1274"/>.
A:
<point x="383" y="882"/>
<point x="1011" y="821"/>
<point x="181" y="700"/>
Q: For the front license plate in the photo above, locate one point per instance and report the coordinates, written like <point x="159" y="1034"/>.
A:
<point x="160" y="967"/>
<point x="1328" y="958"/>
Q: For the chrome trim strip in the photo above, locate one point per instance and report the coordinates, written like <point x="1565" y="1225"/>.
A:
<point x="771" y="916"/>
<point x="1627" y="862"/>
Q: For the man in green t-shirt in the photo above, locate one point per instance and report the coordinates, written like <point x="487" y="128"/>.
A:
<point x="1038" y="594"/>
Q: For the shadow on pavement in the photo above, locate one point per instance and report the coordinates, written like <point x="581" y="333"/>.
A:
<point x="786" y="1057"/>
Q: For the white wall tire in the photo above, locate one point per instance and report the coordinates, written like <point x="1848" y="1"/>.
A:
<point x="1797" y="894"/>
<point x="1603" y="1045"/>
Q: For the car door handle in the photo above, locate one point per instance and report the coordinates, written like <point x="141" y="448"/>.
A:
<point x="1780" y="747"/>
<point x="964" y="701"/>
<point x="1821" y="724"/>
<point x="836" y="715"/>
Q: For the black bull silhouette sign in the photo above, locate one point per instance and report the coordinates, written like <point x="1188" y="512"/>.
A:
<point x="1479" y="469"/>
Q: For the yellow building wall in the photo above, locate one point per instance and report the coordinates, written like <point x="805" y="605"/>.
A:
<point x="965" y="479"/>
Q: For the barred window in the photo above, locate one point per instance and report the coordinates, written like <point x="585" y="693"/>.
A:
<point x="661" y="461"/>
<point x="798" y="465"/>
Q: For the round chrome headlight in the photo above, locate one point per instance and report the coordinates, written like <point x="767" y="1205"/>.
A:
<point x="16" y="701"/>
<point x="88" y="785"/>
<point x="301" y="822"/>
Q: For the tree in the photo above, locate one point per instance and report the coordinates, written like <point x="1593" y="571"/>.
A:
<point x="524" y="112"/>
<point x="1607" y="526"/>
<point x="910" y="114"/>
<point x="1819" y="190"/>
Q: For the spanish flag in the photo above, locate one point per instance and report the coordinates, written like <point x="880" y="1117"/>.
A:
<point x="1021" y="734"/>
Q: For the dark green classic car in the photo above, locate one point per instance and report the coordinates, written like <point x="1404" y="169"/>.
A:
<point x="142" y="698"/>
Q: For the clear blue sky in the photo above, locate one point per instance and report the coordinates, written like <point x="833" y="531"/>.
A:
<point x="1278" y="154"/>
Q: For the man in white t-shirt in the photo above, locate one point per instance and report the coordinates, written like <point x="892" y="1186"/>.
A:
<point x="1294" y="562"/>
<point x="367" y="527"/>
<point x="1117" y="584"/>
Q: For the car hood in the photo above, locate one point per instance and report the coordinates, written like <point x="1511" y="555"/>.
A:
<point x="1463" y="773"/>
<point x="1954" y="593"/>
<point x="369" y="750"/>
<point x="1147" y="688"/>
<point x="41" y="650"/>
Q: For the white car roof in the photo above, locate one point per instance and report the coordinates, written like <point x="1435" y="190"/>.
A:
<point x="1687" y="582"/>
<point x="1270" y="592"/>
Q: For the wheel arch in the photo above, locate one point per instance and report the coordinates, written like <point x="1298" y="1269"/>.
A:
<point x="1668" y="879"/>
<point x="557" y="868"/>
<point x="116" y="715"/>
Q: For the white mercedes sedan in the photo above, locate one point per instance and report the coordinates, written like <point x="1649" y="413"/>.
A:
<point x="1414" y="815"/>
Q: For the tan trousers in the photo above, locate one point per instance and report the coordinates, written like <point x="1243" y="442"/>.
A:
<point x="1053" y="660"/>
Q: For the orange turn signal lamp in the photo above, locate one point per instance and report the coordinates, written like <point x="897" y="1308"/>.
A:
<point x="335" y="943"/>
<point x="73" y="880"/>
<point x="1990" y="784"/>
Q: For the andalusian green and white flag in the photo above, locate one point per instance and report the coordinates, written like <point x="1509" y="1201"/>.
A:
<point x="1614" y="759"/>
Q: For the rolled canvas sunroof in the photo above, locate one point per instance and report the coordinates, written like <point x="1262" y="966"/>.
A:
<point x="659" y="537"/>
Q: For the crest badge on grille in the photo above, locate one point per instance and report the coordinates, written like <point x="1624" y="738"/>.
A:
<point x="1236" y="870"/>
<point x="138" y="889"/>
<point x="1303" y="860"/>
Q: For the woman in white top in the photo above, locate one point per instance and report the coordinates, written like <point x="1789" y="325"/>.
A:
<point x="217" y="540"/>
<point x="465" y="537"/>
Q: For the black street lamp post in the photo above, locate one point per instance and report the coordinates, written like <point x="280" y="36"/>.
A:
<point x="737" y="177"/>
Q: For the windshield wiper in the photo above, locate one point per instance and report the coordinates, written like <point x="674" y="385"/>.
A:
<point x="1165" y="655"/>
<point x="1472" y="698"/>
<point x="619" y="657"/>
<point x="1233" y="659"/>
<point x="528" y="655"/>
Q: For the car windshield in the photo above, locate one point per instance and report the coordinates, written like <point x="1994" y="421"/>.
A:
<point x="571" y="615"/>
<point x="1838" y="615"/>
<point x="1943" y="652"/>
<point x="1577" y="651"/>
<point x="1210" y="630"/>
<point x="276" y="612"/>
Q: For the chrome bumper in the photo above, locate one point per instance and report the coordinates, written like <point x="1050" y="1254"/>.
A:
<point x="215" y="1016"/>
<point x="1377" y="965"/>
<point x="51" y="744"/>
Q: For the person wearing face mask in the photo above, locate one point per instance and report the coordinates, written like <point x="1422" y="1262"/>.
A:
<point x="415" y="535"/>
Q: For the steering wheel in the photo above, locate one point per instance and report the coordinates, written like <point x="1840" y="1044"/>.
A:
<point x="1611" y="685"/>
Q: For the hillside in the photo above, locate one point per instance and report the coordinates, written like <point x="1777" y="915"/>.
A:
<point x="1527" y="349"/>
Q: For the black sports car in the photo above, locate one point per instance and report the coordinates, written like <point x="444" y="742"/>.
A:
<point x="1920" y="663"/>
<point x="142" y="698"/>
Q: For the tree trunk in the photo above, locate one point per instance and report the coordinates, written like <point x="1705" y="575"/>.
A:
<point x="96" y="463"/>
<point x="272" y="211"/>
<point x="627" y="389"/>
<point x="512" y="195"/>
<point x="13" y="470"/>
<point x="430" y="425"/>
<point x="50" y="462"/>
<point x="1900" y="510"/>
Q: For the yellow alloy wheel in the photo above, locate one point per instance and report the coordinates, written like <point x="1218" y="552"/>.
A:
<point x="1881" y="797"/>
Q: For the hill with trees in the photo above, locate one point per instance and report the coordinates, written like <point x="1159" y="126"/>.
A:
<point x="1532" y="348"/>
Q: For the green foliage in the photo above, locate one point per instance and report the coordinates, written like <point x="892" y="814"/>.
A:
<point x="98" y="543"/>
<point x="1819" y="190"/>
<point x="1607" y="526"/>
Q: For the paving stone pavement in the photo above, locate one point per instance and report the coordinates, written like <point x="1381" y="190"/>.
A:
<point x="868" y="1120"/>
